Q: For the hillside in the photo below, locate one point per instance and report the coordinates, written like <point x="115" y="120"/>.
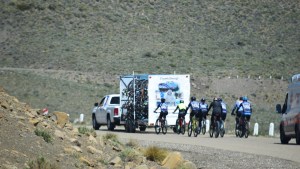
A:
<point x="65" y="55"/>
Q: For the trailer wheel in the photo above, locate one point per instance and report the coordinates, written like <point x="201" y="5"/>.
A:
<point x="142" y="128"/>
<point x="131" y="126"/>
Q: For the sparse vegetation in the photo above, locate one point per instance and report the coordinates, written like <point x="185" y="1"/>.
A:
<point x="155" y="153"/>
<point x="112" y="137"/>
<point x="85" y="130"/>
<point x="41" y="163"/>
<point x="132" y="143"/>
<point x="46" y="136"/>
<point x="129" y="154"/>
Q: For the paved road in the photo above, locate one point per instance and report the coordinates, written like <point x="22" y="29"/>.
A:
<point x="253" y="145"/>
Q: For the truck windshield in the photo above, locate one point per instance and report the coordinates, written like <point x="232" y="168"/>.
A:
<point x="115" y="100"/>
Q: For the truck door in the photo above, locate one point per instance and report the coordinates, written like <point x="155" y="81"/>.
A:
<point x="102" y="112"/>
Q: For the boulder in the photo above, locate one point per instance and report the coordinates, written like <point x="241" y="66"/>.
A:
<point x="61" y="118"/>
<point x="173" y="160"/>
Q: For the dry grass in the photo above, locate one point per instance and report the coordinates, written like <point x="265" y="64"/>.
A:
<point x="156" y="154"/>
<point x="41" y="163"/>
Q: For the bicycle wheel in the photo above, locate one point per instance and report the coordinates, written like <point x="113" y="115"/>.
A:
<point x="157" y="127"/>
<point x="217" y="129"/>
<point x="236" y="130"/>
<point x="211" y="131"/>
<point x="164" y="127"/>
<point x="190" y="128"/>
<point x="195" y="128"/>
<point x="241" y="131"/>
<point x="246" y="130"/>
<point x="222" y="130"/>
<point x="183" y="127"/>
<point x="203" y="129"/>
<point x="177" y="125"/>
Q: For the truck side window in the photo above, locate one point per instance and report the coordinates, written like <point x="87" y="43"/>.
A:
<point x="101" y="102"/>
<point x="284" y="107"/>
<point x="115" y="100"/>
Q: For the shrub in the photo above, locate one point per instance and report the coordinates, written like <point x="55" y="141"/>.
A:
<point x="46" y="136"/>
<point x="129" y="154"/>
<point x="85" y="130"/>
<point x="111" y="136"/>
<point x="132" y="143"/>
<point x="41" y="163"/>
<point x="156" y="154"/>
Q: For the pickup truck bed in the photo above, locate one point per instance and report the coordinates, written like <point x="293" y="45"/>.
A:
<point x="107" y="112"/>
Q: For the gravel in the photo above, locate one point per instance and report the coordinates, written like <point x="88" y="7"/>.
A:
<point x="205" y="157"/>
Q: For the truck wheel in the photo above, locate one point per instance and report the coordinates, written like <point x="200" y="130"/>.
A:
<point x="297" y="135"/>
<point x="110" y="125"/>
<point x="96" y="126"/>
<point x="283" y="138"/>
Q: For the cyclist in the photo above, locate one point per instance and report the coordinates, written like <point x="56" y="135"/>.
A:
<point x="182" y="109"/>
<point x="238" y="110"/>
<point x="195" y="107"/>
<point x="247" y="109"/>
<point x="203" y="108"/>
<point x="216" y="109"/>
<point x="224" y="109"/>
<point x="163" y="109"/>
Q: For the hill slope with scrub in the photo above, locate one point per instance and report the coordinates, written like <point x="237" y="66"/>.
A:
<point x="64" y="55"/>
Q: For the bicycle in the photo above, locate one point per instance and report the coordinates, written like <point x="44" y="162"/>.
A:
<point x="193" y="127"/>
<point x="203" y="125"/>
<point x="215" y="127"/>
<point x="161" y="125"/>
<point x="243" y="128"/>
<point x="180" y="125"/>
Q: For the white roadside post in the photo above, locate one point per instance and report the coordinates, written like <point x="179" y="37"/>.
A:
<point x="207" y="125"/>
<point x="81" y="117"/>
<point x="271" y="129"/>
<point x="255" y="131"/>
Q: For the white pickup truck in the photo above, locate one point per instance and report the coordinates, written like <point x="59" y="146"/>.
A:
<point x="107" y="112"/>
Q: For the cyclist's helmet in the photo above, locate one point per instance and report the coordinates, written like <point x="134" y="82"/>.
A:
<point x="245" y="98"/>
<point x="163" y="100"/>
<point x="241" y="98"/>
<point x="202" y="100"/>
<point x="215" y="99"/>
<point x="181" y="101"/>
<point x="219" y="99"/>
<point x="193" y="98"/>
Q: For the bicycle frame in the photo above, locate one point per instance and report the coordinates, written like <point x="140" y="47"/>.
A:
<point x="180" y="128"/>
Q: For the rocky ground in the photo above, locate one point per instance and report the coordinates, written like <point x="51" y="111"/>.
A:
<point x="59" y="144"/>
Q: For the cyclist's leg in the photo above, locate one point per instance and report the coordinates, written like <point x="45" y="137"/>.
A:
<point x="212" y="119"/>
<point x="200" y="119"/>
<point x="224" y="118"/>
<point x="248" y="117"/>
<point x="238" y="115"/>
<point x="191" y="115"/>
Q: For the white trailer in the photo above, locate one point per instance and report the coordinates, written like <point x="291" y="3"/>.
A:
<point x="140" y="95"/>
